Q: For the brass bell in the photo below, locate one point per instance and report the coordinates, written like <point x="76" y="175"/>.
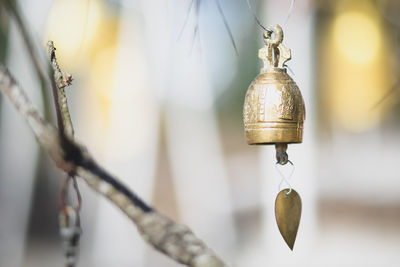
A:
<point x="274" y="111"/>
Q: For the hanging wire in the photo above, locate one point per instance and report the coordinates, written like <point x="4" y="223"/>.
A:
<point x="255" y="16"/>
<point x="291" y="71"/>
<point x="186" y="19"/>
<point x="284" y="178"/>
<point x="291" y="8"/>
<point x="196" y="30"/>
<point x="196" y="5"/>
<point x="228" y="29"/>
<point x="195" y="36"/>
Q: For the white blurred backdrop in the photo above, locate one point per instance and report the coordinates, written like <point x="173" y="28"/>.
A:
<point x="157" y="99"/>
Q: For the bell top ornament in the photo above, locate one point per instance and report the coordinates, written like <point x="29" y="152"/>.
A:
<point x="274" y="111"/>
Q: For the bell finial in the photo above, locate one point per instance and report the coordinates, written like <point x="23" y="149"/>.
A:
<point x="274" y="54"/>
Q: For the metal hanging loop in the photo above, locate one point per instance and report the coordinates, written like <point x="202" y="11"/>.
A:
<point x="277" y="37"/>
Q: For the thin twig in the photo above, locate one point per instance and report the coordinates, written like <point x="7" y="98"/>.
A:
<point x="186" y="19"/>
<point x="196" y="4"/>
<point x="63" y="192"/>
<point x="62" y="81"/>
<point x="40" y="68"/>
<point x="77" y="193"/>
<point x="174" y="240"/>
<point x="71" y="241"/>
<point x="195" y="35"/>
<point x="196" y="30"/>
<point x="43" y="83"/>
<point x="386" y="96"/>
<point x="228" y="29"/>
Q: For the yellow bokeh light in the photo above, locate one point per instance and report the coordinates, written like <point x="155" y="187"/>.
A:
<point x="103" y="67"/>
<point x="353" y="67"/>
<point x="357" y="36"/>
<point x="73" y="23"/>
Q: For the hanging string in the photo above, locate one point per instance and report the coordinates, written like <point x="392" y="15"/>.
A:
<point x="291" y="8"/>
<point x="228" y="29"/>
<point x="255" y="16"/>
<point x="196" y="31"/>
<point x="291" y="71"/>
<point x="186" y="19"/>
<point x="284" y="178"/>
<point x="196" y="4"/>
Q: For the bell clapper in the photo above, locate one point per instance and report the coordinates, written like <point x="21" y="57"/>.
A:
<point x="288" y="214"/>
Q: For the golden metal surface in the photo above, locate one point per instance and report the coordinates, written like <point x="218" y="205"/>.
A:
<point x="288" y="213"/>
<point x="281" y="155"/>
<point x="274" y="109"/>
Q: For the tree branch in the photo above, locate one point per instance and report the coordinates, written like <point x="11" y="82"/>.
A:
<point x="61" y="81"/>
<point x="40" y="68"/>
<point x="174" y="240"/>
<point x="69" y="218"/>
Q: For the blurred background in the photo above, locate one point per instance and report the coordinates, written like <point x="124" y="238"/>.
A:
<point x="157" y="99"/>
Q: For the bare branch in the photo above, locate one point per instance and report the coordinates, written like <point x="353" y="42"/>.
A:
<point x="228" y="29"/>
<point x="45" y="77"/>
<point x="61" y="80"/>
<point x="174" y="240"/>
<point x="69" y="218"/>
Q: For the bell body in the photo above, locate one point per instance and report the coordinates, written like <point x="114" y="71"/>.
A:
<point x="274" y="109"/>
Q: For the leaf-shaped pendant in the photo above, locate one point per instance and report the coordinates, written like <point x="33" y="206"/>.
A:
<point x="288" y="213"/>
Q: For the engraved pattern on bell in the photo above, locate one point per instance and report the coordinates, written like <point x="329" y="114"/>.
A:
<point x="274" y="109"/>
